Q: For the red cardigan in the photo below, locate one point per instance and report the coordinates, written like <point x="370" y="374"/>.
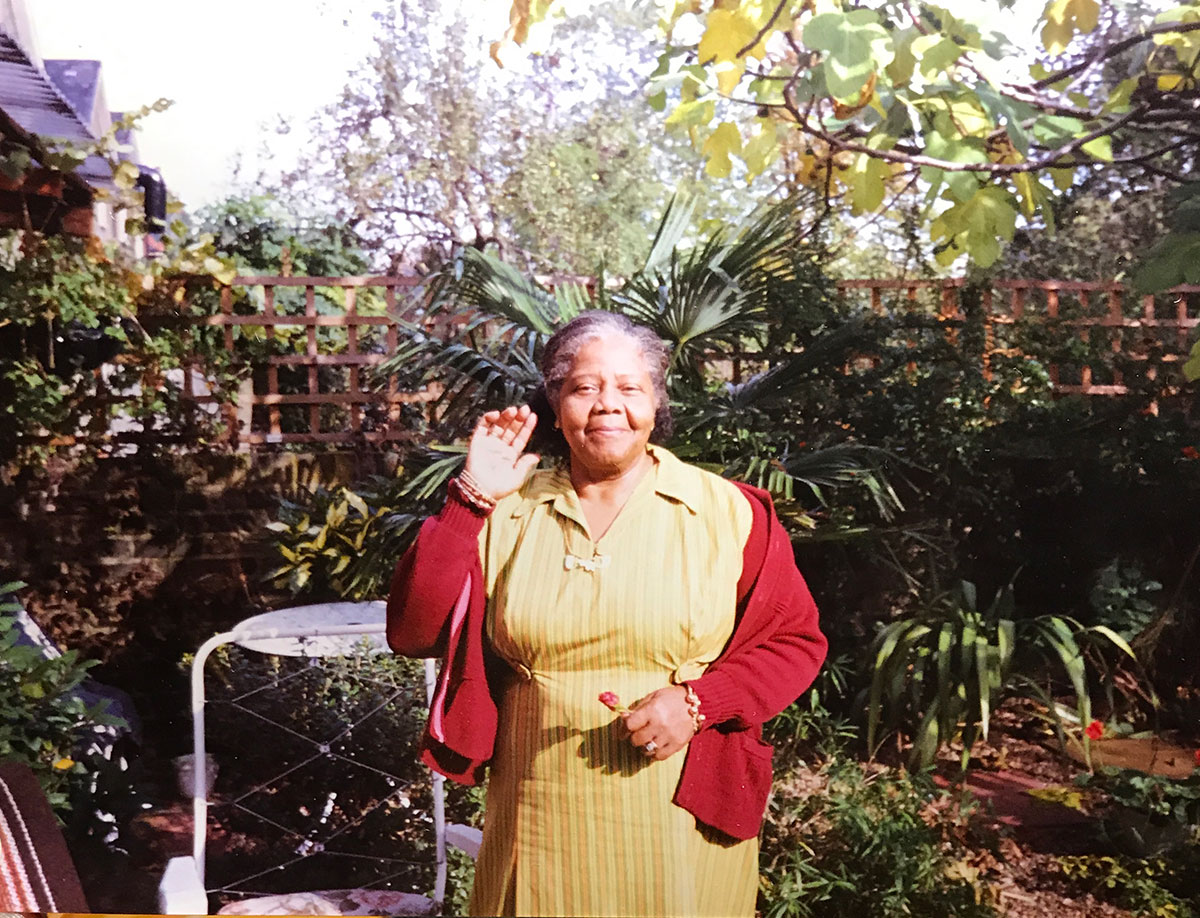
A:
<point x="437" y="606"/>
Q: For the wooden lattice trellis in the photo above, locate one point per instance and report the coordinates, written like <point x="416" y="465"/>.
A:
<point x="326" y="384"/>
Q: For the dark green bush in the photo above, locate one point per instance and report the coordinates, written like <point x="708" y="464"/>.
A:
<point x="43" y="723"/>
<point x="864" y="844"/>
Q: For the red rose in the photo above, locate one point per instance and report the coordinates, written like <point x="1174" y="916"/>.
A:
<point x="1094" y="730"/>
<point x="1190" y="452"/>
<point x="612" y="702"/>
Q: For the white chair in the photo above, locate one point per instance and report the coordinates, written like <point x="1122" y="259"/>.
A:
<point x="321" y="630"/>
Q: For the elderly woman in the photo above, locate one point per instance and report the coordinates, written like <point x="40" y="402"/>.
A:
<point x="620" y="574"/>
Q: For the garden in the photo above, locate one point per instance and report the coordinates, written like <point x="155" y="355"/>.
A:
<point x="987" y="456"/>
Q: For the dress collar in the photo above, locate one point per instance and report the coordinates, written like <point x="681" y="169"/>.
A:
<point x="671" y="480"/>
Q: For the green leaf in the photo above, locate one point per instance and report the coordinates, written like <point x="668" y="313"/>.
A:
<point x="856" y="45"/>
<point x="935" y="53"/>
<point x="904" y="62"/>
<point x="1100" y="148"/>
<point x="125" y="175"/>
<point x="1167" y="263"/>
<point x="867" y="178"/>
<point x="988" y="679"/>
<point x="1191" y="368"/>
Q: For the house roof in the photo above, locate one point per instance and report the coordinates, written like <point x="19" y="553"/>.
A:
<point x="79" y="83"/>
<point x="31" y="98"/>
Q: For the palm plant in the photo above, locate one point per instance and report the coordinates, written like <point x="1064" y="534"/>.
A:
<point x="941" y="674"/>
<point x="483" y="328"/>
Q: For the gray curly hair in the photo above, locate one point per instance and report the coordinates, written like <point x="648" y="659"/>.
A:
<point x="564" y="346"/>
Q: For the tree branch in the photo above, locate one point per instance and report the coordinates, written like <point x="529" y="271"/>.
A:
<point x="765" y="29"/>
<point x="1113" y="50"/>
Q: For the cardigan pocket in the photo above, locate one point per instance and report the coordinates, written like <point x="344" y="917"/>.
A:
<point x="756" y="777"/>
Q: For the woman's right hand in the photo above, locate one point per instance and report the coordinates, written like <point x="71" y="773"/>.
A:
<point x="495" y="457"/>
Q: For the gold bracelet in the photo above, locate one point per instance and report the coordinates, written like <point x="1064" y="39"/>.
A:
<point x="475" y="502"/>
<point x="693" y="706"/>
<point x="473" y="486"/>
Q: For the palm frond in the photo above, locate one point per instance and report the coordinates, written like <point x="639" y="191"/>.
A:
<point x="671" y="228"/>
<point x="712" y="294"/>
<point x="778" y="385"/>
<point x="480" y="334"/>
<point x="431" y="467"/>
<point x="847" y="463"/>
<point x="478" y="283"/>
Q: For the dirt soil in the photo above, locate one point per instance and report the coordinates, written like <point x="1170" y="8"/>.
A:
<point x="1034" y="832"/>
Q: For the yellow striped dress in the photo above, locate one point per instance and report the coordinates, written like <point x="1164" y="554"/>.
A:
<point x="577" y="821"/>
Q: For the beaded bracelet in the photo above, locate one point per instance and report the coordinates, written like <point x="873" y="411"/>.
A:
<point x="464" y="488"/>
<point x="693" y="706"/>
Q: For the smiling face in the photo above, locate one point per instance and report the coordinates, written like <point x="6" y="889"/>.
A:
<point x="606" y="406"/>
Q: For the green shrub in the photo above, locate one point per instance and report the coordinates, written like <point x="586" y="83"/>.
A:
<point x="1146" y="815"/>
<point x="344" y="543"/>
<point x="868" y="845"/>
<point x="1122" y="597"/>
<point x="69" y="307"/>
<point x="42" y="723"/>
<point x="808" y="726"/>
<point x="942" y="673"/>
<point x="1157" y="887"/>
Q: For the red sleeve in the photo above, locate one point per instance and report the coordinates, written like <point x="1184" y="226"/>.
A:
<point x="777" y="648"/>
<point x="429" y="578"/>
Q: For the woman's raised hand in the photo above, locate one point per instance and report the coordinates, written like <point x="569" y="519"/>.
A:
<point x="495" y="455"/>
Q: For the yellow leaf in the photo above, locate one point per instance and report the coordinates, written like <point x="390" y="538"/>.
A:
<point x="1025" y="190"/>
<point x="865" y="95"/>
<point x="726" y="33"/>
<point x="729" y="76"/>
<point x="760" y="149"/>
<point x="726" y="139"/>
<point x="126" y="175"/>
<point x="1100" y="148"/>
<point x="1168" y="82"/>
<point x="691" y="114"/>
<point x="1063" y="178"/>
<point x="1059" y="794"/>
<point x="64" y="764"/>
<point x="961" y="870"/>
<point x="1063" y="18"/>
<point x="356" y="502"/>
<point x="521" y="15"/>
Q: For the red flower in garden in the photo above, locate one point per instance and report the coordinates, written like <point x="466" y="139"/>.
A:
<point x="612" y="702"/>
<point x="1198" y="758"/>
<point x="1094" y="730"/>
<point x="1190" y="452"/>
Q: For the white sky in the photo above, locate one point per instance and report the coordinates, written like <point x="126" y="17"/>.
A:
<point x="233" y="69"/>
